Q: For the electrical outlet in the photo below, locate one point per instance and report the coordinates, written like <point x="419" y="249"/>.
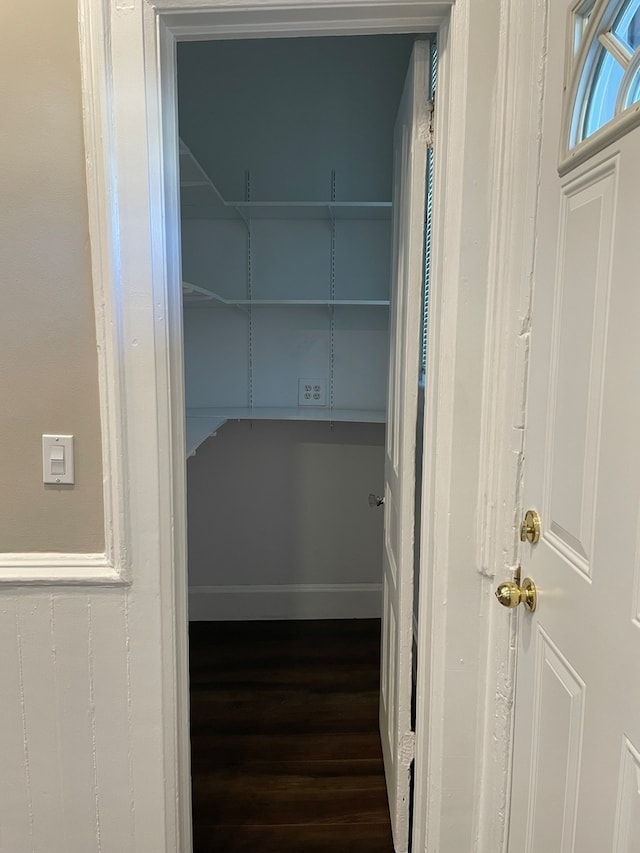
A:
<point x="312" y="392"/>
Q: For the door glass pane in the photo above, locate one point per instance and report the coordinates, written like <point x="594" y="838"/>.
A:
<point x="633" y="94"/>
<point x="604" y="91"/>
<point x="627" y="26"/>
<point x="581" y="22"/>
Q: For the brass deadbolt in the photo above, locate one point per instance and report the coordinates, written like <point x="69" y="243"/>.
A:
<point x="509" y="594"/>
<point x="530" y="527"/>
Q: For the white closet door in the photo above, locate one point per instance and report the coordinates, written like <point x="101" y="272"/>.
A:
<point x="409" y="175"/>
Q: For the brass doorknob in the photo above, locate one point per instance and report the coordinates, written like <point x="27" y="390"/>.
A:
<point x="509" y="594"/>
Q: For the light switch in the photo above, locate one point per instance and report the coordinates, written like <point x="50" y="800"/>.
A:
<point x="57" y="459"/>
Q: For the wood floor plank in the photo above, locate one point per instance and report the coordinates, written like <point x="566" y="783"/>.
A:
<point x="286" y="711"/>
<point x="325" y="678"/>
<point x="337" y="838"/>
<point x="305" y="807"/>
<point x="292" y="779"/>
<point x="285" y="747"/>
<point x="323" y="746"/>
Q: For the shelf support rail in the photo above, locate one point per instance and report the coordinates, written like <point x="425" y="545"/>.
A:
<point x="332" y="296"/>
<point x="249" y="288"/>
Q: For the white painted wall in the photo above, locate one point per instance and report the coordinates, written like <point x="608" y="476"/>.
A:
<point x="288" y="344"/>
<point x="279" y="524"/>
<point x="65" y="740"/>
<point x="291" y="110"/>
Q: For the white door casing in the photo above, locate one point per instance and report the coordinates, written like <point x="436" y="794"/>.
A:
<point x="576" y="775"/>
<point x="407" y="280"/>
<point x="128" y="53"/>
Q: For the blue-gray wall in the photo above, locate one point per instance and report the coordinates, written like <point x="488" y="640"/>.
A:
<point x="291" y="110"/>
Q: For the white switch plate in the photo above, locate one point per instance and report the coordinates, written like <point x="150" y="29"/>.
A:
<point x="57" y="459"/>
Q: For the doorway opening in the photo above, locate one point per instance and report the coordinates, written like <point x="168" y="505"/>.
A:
<point x="286" y="168"/>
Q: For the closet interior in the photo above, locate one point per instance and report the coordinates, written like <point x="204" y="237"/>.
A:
<point x="286" y="159"/>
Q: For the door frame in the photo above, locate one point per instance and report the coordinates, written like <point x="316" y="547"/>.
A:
<point x="128" y="65"/>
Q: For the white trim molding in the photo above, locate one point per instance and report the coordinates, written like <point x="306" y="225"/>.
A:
<point x="208" y="19"/>
<point x="104" y="228"/>
<point x="516" y="171"/>
<point x="51" y="569"/>
<point x="111" y="566"/>
<point x="285" y="601"/>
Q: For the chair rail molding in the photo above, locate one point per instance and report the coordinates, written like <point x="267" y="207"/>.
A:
<point x="51" y="569"/>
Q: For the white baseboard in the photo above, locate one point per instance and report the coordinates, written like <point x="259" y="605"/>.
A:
<point x="292" y="601"/>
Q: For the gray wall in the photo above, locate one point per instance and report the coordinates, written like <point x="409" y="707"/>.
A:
<point x="285" y="503"/>
<point x="48" y="374"/>
<point x="291" y="110"/>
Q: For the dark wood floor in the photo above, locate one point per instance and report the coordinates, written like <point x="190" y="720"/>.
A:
<point x="284" y="731"/>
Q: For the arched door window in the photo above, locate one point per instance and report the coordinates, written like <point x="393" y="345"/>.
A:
<point x="604" y="91"/>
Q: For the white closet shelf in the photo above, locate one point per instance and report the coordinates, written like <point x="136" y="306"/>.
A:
<point x="204" y="422"/>
<point x="312" y="209"/>
<point x="193" y="175"/>
<point x="194" y="294"/>
<point x="287" y="413"/>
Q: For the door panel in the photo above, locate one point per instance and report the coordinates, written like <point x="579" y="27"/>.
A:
<point x="576" y="771"/>
<point x="628" y="812"/>
<point x="556" y="744"/>
<point x="579" y="324"/>
<point x="410" y="165"/>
